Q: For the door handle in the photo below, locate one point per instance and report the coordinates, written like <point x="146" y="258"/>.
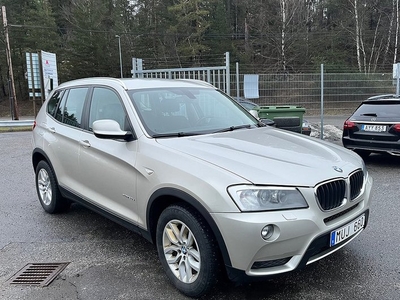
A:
<point x="52" y="129"/>
<point x="85" y="143"/>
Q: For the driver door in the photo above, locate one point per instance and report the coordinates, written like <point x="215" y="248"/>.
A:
<point x="107" y="166"/>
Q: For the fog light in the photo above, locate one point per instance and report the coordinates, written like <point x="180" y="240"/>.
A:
<point x="267" y="232"/>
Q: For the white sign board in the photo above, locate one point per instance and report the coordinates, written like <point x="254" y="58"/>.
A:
<point x="49" y="69"/>
<point x="33" y="73"/>
<point x="250" y="86"/>
<point x="396" y="75"/>
<point x="395" y="70"/>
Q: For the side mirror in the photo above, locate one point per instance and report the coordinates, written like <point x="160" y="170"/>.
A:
<point x="109" y="129"/>
<point x="268" y="122"/>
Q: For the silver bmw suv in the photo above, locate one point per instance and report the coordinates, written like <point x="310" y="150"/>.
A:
<point x="192" y="171"/>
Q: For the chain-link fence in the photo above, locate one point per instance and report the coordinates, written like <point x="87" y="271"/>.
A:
<point x="342" y="92"/>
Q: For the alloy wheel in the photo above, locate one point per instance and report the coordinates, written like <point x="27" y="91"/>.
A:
<point x="44" y="185"/>
<point x="181" y="251"/>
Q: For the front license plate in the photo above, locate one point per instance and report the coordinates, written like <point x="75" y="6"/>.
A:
<point x="345" y="232"/>
<point x="374" y="128"/>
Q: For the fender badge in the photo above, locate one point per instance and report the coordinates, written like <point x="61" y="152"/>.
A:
<point x="337" y="169"/>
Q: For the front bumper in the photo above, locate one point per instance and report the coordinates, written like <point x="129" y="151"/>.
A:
<point x="300" y="236"/>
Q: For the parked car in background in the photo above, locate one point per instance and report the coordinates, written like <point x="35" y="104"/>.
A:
<point x="192" y="171"/>
<point x="253" y="109"/>
<point x="249" y="105"/>
<point x="374" y="126"/>
<point x="306" y="127"/>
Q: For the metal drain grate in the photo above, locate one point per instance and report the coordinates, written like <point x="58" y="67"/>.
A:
<point x="39" y="274"/>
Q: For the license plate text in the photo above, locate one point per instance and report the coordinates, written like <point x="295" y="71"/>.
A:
<point x="345" y="232"/>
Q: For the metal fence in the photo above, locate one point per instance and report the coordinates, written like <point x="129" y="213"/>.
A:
<point x="218" y="76"/>
<point x="342" y="92"/>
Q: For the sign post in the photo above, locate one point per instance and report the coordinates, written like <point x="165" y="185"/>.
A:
<point x="322" y="102"/>
<point x="13" y="98"/>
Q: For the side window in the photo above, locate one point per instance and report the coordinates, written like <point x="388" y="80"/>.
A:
<point x="72" y="106"/>
<point x="106" y="105"/>
<point x="60" y="108"/>
<point x="53" y="103"/>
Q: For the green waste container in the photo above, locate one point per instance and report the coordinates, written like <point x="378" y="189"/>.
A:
<point x="285" y="117"/>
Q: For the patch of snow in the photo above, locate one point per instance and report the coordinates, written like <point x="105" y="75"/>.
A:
<point x="331" y="132"/>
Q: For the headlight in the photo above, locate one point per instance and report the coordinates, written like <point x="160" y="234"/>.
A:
<point x="252" y="198"/>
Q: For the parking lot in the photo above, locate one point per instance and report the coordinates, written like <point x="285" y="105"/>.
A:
<point x="106" y="261"/>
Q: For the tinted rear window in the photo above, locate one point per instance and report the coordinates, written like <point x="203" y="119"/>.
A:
<point x="381" y="110"/>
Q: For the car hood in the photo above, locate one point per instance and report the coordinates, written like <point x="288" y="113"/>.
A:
<point x="269" y="156"/>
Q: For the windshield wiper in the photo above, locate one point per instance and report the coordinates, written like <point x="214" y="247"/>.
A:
<point x="370" y="114"/>
<point x="182" y="134"/>
<point x="232" y="128"/>
<point x="175" y="134"/>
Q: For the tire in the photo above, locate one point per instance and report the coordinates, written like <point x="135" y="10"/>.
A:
<point x="187" y="250"/>
<point x="47" y="189"/>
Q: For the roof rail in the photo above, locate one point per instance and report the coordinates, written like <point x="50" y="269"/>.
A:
<point x="386" y="96"/>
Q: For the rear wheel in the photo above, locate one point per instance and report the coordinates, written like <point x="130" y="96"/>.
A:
<point x="47" y="189"/>
<point x="187" y="250"/>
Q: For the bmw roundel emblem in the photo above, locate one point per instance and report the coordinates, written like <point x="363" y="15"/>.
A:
<point x="337" y="169"/>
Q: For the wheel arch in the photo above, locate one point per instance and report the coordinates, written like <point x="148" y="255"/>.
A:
<point x="165" y="197"/>
<point x="39" y="155"/>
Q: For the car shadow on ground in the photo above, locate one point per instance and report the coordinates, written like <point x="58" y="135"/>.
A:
<point x="297" y="284"/>
<point x="382" y="160"/>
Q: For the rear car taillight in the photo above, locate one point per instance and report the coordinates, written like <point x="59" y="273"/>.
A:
<point x="396" y="127"/>
<point x="34" y="125"/>
<point x="348" y="124"/>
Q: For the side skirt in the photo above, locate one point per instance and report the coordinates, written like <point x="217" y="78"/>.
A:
<point x="68" y="194"/>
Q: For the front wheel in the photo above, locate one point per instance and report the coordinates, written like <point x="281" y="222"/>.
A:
<point x="187" y="250"/>
<point x="47" y="189"/>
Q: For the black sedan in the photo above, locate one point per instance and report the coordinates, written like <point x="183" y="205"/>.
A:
<point x="374" y="126"/>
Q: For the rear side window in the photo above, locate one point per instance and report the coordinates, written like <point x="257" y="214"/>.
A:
<point x="72" y="107"/>
<point x="54" y="102"/>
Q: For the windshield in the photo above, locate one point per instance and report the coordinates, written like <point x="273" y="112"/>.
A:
<point x="188" y="111"/>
